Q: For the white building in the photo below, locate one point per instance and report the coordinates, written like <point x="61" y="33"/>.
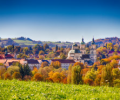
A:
<point x="64" y="63"/>
<point x="80" y="55"/>
<point x="31" y="63"/>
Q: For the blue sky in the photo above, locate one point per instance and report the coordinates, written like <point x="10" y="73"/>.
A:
<point x="60" y="20"/>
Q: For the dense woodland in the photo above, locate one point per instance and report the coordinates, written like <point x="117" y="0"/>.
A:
<point x="103" y="72"/>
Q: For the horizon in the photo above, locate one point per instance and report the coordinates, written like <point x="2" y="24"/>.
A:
<point x="60" y="20"/>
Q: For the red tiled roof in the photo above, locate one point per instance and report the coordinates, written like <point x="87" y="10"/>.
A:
<point x="8" y="56"/>
<point x="63" y="61"/>
<point x="113" y="52"/>
<point x="1" y="57"/>
<point x="32" y="61"/>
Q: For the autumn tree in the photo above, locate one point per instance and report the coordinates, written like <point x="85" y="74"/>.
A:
<point x="38" y="77"/>
<point x="44" y="64"/>
<point x="79" y="64"/>
<point x="107" y="77"/>
<point x="116" y="73"/>
<point x="57" y="77"/>
<point x="91" y="74"/>
<point x="76" y="75"/>
<point x="2" y="71"/>
<point x="56" y="64"/>
<point x="16" y="75"/>
<point x="69" y="74"/>
<point x="41" y="52"/>
<point x="7" y="76"/>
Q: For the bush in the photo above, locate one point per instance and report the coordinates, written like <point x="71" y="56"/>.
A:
<point x="7" y="76"/>
<point x="117" y="83"/>
<point x="16" y="75"/>
<point x="27" y="77"/>
<point x="88" y="81"/>
<point x="49" y="80"/>
<point x="37" y="77"/>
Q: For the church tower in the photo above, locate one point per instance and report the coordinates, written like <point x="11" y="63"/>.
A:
<point x="93" y="55"/>
<point x="82" y="47"/>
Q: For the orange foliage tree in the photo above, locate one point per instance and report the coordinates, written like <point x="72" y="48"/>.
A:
<point x="37" y="77"/>
<point x="89" y="81"/>
<point x="44" y="64"/>
<point x="56" y="64"/>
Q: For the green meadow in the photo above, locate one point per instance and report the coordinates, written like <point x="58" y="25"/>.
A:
<point x="30" y="90"/>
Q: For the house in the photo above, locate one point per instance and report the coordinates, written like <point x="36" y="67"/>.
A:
<point x="31" y="63"/>
<point x="40" y="61"/>
<point x="64" y="63"/>
<point x="6" y="56"/>
<point x="111" y="53"/>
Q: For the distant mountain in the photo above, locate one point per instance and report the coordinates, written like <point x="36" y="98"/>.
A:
<point x="22" y="41"/>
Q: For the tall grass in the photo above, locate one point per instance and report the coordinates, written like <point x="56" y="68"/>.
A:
<point x="15" y="90"/>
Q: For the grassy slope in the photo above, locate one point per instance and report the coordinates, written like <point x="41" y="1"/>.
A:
<point x="12" y="90"/>
<point x="25" y="42"/>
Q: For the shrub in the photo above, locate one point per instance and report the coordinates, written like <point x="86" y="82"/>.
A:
<point x="49" y="80"/>
<point x="117" y="83"/>
<point x="16" y="75"/>
<point x="7" y="76"/>
<point x="88" y="81"/>
<point x="37" y="77"/>
<point x="27" y="77"/>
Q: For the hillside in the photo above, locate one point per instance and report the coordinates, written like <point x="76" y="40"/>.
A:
<point x="102" y="42"/>
<point x="14" y="89"/>
<point x="22" y="41"/>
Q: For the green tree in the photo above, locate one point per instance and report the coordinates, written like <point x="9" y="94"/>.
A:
<point x="76" y="75"/>
<point x="91" y="74"/>
<point x="107" y="77"/>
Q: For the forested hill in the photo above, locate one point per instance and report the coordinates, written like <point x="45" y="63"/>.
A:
<point x="22" y="41"/>
<point x="102" y="42"/>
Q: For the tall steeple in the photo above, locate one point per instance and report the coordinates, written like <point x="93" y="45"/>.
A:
<point x="82" y="41"/>
<point x="93" y="41"/>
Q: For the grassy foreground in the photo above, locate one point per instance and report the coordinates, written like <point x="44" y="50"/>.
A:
<point x="14" y="90"/>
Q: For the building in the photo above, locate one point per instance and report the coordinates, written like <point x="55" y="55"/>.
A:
<point x="31" y="63"/>
<point x="79" y="54"/>
<point x="64" y="63"/>
<point x="111" y="53"/>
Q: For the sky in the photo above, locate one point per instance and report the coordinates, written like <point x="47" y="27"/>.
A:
<point x="60" y="20"/>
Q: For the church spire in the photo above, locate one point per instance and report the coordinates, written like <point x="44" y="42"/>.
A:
<point x="93" y="41"/>
<point x="82" y="41"/>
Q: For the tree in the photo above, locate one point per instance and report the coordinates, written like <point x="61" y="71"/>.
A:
<point x="62" y="56"/>
<point x="45" y="46"/>
<point x="57" y="77"/>
<point x="7" y="76"/>
<point x="44" y="64"/>
<point x="16" y="75"/>
<point x="114" y="63"/>
<point x="38" y="77"/>
<point x="116" y="73"/>
<point x="107" y="77"/>
<point x="76" y="75"/>
<point x="12" y="69"/>
<point x="79" y="64"/>
<point x="56" y="64"/>
<point x="91" y="74"/>
<point x="41" y="52"/>
<point x="56" y="47"/>
<point x="69" y="74"/>
<point x="24" y="70"/>
<point x="2" y="71"/>
<point x="26" y="50"/>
